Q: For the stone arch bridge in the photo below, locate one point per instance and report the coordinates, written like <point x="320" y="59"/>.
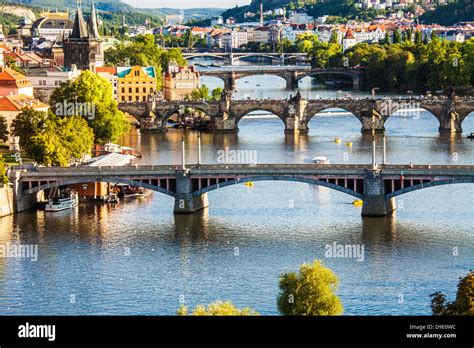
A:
<point x="189" y="186"/>
<point x="231" y="58"/>
<point x="296" y="112"/>
<point x="292" y="75"/>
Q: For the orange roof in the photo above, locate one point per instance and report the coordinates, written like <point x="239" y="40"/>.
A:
<point x="5" y="48"/>
<point x="349" y="34"/>
<point x="106" y="69"/>
<point x="18" y="102"/>
<point x="11" y="78"/>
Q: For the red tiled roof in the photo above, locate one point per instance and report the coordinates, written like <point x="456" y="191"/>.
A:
<point x="18" y="102"/>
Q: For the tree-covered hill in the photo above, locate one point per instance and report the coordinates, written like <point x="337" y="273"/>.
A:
<point x="459" y="11"/>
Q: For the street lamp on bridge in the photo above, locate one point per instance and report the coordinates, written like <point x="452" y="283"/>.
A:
<point x="374" y="164"/>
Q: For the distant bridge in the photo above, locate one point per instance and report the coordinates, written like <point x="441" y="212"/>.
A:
<point x="291" y="74"/>
<point x="230" y="58"/>
<point x="296" y="112"/>
<point x="189" y="186"/>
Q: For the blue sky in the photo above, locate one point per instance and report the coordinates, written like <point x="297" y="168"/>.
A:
<point x="186" y="3"/>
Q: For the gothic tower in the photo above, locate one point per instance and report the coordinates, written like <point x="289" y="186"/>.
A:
<point x="84" y="47"/>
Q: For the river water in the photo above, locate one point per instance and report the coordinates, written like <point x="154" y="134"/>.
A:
<point x="138" y="258"/>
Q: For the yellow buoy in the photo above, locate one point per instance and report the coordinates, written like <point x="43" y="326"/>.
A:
<point x="349" y="143"/>
<point x="358" y="203"/>
<point x="249" y="183"/>
<point x="337" y="140"/>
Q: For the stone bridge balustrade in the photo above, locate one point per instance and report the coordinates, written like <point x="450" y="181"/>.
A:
<point x="296" y="113"/>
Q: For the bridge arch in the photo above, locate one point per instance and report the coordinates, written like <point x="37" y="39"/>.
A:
<point x="315" y="119"/>
<point x="238" y="116"/>
<point x="170" y="112"/>
<point x="412" y="114"/>
<point x="429" y="184"/>
<point x="278" y="178"/>
<point x="81" y="180"/>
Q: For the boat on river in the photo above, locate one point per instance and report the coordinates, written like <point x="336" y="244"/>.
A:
<point x="67" y="201"/>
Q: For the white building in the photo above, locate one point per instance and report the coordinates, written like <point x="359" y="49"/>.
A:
<point x="300" y="18"/>
<point x="217" y="20"/>
<point x="45" y="82"/>
<point x="110" y="73"/>
<point x="234" y="39"/>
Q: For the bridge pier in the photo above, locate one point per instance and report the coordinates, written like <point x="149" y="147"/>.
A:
<point x="184" y="201"/>
<point x="367" y="124"/>
<point x="375" y="203"/>
<point x="23" y="201"/>
<point x="450" y="123"/>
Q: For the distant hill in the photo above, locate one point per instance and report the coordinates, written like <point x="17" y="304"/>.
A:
<point x="459" y="11"/>
<point x="119" y="7"/>
<point x="341" y="8"/>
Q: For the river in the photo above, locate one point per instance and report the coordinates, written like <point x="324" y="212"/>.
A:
<point x="138" y="258"/>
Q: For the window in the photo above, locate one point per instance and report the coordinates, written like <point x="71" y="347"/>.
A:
<point x="123" y="98"/>
<point x="137" y="90"/>
<point x="123" y="90"/>
<point x="130" y="98"/>
<point x="137" y="73"/>
<point x="130" y="90"/>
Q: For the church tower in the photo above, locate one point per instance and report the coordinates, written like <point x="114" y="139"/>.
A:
<point x="84" y="47"/>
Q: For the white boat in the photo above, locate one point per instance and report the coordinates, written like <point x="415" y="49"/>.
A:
<point x="63" y="203"/>
<point x="321" y="160"/>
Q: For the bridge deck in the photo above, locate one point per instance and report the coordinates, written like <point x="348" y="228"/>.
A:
<point x="248" y="169"/>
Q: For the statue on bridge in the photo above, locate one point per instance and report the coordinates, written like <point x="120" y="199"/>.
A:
<point x="226" y="95"/>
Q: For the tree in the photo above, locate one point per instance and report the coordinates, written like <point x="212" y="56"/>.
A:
<point x="217" y="93"/>
<point x="311" y="292"/>
<point x="218" y="308"/>
<point x="28" y="123"/>
<point x="145" y="51"/>
<point x="89" y="89"/>
<point x="3" y="129"/>
<point x="51" y="140"/>
<point x="397" y="37"/>
<point x="3" y="170"/>
<point x="462" y="305"/>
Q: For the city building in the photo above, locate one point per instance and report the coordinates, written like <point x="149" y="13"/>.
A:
<point x="300" y="18"/>
<point x="46" y="81"/>
<point x="349" y="40"/>
<point x="110" y="73"/>
<point x="14" y="83"/>
<point x="260" y="34"/>
<point x="234" y="39"/>
<point x="11" y="106"/>
<point x="180" y="81"/>
<point x="84" y="47"/>
<point x="217" y="20"/>
<point x="135" y="83"/>
<point x="52" y="24"/>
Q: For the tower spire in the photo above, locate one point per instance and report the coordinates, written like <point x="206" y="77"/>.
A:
<point x="79" y="29"/>
<point x="92" y="24"/>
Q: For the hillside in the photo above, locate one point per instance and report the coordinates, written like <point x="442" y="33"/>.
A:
<point x="460" y="11"/>
<point x="316" y="8"/>
<point x="134" y="15"/>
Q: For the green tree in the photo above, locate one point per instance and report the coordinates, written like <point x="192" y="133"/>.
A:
<point x="217" y="308"/>
<point x="397" y="37"/>
<point x="51" y="140"/>
<point x="3" y="129"/>
<point x="462" y="305"/>
<point x="217" y="93"/>
<point x="3" y="170"/>
<point x="145" y="51"/>
<point x="28" y="123"/>
<point x="108" y="122"/>
<point x="311" y="292"/>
